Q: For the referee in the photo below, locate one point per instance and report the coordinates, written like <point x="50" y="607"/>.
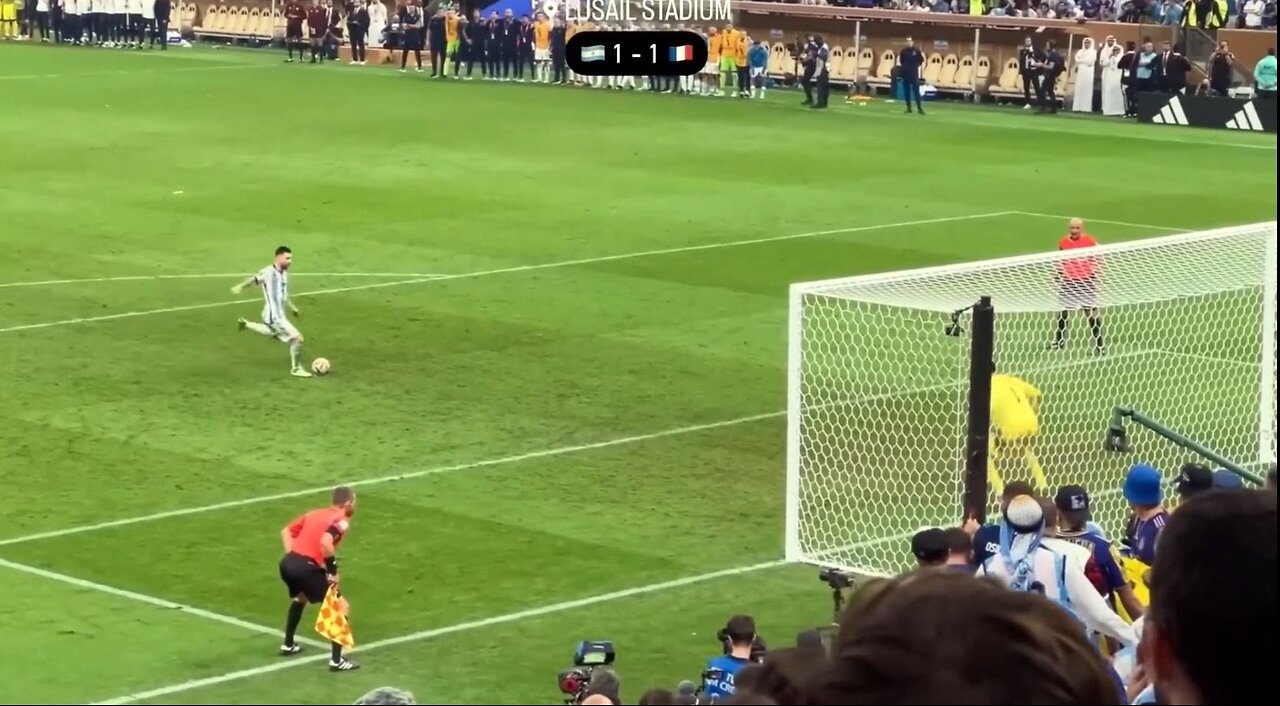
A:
<point x="1077" y="280"/>
<point x="309" y="566"/>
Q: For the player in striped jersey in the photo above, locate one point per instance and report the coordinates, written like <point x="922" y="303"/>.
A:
<point x="274" y="280"/>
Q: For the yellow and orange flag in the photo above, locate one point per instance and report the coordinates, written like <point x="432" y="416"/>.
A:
<point x="332" y="622"/>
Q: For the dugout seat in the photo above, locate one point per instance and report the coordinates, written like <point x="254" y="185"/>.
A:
<point x="778" y="59"/>
<point x="834" y="59"/>
<point x="947" y="75"/>
<point x="866" y="62"/>
<point x="266" y="25"/>
<point x="849" y="67"/>
<point x="240" y="23"/>
<point x="884" y="70"/>
<point x="1010" y="82"/>
<point x="214" y="22"/>
<point x="187" y="17"/>
<point x="982" y="74"/>
<point x="932" y="69"/>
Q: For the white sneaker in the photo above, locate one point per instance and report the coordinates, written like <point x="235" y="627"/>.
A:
<point x="353" y="62"/>
<point x="403" y="70"/>
<point x="300" y="373"/>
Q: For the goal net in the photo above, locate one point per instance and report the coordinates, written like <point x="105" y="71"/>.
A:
<point x="877" y="388"/>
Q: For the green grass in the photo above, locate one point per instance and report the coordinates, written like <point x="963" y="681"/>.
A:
<point x="200" y="162"/>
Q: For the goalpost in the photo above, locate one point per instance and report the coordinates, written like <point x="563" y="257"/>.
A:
<point x="878" y="379"/>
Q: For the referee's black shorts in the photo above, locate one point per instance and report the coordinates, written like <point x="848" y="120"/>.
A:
<point x="302" y="576"/>
<point x="1078" y="293"/>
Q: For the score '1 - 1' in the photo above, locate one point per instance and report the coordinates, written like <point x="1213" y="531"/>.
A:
<point x="672" y="53"/>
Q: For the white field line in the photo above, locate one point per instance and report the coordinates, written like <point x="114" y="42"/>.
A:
<point x="151" y="600"/>
<point x="477" y="624"/>
<point x="1146" y="226"/>
<point x="518" y="268"/>
<point x="1212" y="359"/>
<point x="176" y="69"/>
<point x="230" y="277"/>
<point x="512" y="459"/>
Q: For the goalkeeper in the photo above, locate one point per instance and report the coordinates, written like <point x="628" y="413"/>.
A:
<point x="1015" y="427"/>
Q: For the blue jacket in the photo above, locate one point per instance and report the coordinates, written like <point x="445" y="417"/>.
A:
<point x="1265" y="73"/>
<point x="758" y="56"/>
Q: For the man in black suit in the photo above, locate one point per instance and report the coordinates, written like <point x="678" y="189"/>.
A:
<point x="1173" y="69"/>
<point x="1029" y="61"/>
<point x="1052" y="67"/>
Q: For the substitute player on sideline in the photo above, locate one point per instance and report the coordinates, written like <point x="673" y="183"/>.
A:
<point x="1077" y="280"/>
<point x="310" y="566"/>
<point x="1015" y="409"/>
<point x="274" y="280"/>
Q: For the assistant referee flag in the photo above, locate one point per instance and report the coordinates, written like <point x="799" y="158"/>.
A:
<point x="332" y="622"/>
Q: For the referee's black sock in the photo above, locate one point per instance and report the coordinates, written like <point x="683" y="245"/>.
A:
<point x="295" y="617"/>
<point x="335" y="655"/>
<point x="1061" y="336"/>
<point x="1095" y="323"/>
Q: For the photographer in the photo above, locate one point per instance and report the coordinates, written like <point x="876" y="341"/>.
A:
<point x="739" y="636"/>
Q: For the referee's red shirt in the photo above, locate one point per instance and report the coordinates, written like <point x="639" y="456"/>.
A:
<point x="307" y="530"/>
<point x="1081" y="267"/>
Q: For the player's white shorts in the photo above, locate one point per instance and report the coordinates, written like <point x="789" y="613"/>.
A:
<point x="542" y="55"/>
<point x="757" y="71"/>
<point x="710" y="68"/>
<point x="281" y="328"/>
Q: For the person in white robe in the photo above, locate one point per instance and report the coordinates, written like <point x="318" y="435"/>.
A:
<point x="377" y="22"/>
<point x="1082" y="100"/>
<point x="1112" y="88"/>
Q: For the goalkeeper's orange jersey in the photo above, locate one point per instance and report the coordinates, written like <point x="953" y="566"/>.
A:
<point x="451" y="28"/>
<point x="541" y="34"/>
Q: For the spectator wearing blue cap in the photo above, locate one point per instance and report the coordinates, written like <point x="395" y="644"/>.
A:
<point x="1143" y="493"/>
<point x="1226" y="480"/>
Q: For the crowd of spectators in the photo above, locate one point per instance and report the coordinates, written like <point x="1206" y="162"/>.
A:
<point x="1038" y="606"/>
<point x="1243" y="14"/>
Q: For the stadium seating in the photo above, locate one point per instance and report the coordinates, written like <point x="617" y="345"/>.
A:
<point x="932" y="69"/>
<point x="835" y="60"/>
<point x="866" y="62"/>
<point x="849" y="67"/>
<point x="779" y="59"/>
<point x="884" y="70"/>
<point x="982" y="75"/>
<point x="947" y="75"/>
<point x="234" y="22"/>
<point x="1010" y="82"/>
<point x="186" y="18"/>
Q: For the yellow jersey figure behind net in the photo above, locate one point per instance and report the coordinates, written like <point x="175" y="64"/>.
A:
<point x="1015" y="427"/>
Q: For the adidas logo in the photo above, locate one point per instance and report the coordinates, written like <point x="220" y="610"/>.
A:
<point x="1171" y="114"/>
<point x="1245" y="119"/>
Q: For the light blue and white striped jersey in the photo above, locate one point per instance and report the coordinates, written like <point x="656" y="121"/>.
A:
<point x="275" y="292"/>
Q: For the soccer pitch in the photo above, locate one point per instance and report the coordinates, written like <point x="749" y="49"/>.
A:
<point x="557" y="320"/>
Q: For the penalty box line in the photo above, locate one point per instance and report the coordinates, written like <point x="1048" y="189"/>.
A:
<point x="151" y="600"/>
<point x="518" y="268"/>
<point x="469" y="626"/>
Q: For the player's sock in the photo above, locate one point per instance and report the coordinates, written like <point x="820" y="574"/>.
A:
<point x="1095" y="324"/>
<point x="295" y="354"/>
<point x="291" y="625"/>
<point x="1037" y="471"/>
<point x="1060" y="336"/>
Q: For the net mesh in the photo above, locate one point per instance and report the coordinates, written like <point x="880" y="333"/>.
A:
<point x="878" y="388"/>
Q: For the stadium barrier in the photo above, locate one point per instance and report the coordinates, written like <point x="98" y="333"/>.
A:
<point x="1253" y="114"/>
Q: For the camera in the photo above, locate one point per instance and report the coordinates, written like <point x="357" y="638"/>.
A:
<point x="587" y="656"/>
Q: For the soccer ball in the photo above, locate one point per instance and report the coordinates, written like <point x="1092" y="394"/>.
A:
<point x="320" y="366"/>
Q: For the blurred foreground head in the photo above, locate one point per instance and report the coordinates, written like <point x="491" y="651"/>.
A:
<point x="931" y="637"/>
<point x="386" y="696"/>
